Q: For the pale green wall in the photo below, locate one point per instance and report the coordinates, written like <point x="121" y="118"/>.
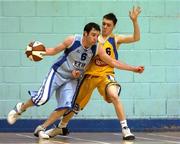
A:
<point x="154" y="94"/>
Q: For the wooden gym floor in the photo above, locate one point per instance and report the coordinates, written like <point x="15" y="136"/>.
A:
<point x="93" y="138"/>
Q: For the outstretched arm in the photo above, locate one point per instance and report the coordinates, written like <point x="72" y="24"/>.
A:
<point x="133" y="14"/>
<point x="117" y="64"/>
<point x="62" y="46"/>
<point x="123" y="66"/>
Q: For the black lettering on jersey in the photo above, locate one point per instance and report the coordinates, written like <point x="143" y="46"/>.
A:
<point x="79" y="64"/>
<point x="108" y="51"/>
<point x="84" y="56"/>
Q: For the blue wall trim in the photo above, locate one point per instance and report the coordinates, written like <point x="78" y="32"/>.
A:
<point x="96" y="125"/>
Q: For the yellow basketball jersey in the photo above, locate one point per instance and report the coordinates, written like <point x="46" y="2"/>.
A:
<point x="98" y="67"/>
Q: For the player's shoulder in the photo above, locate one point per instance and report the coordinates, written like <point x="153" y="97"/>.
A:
<point x="74" y="39"/>
<point x="69" y="40"/>
<point x="119" y="35"/>
<point x="119" y="38"/>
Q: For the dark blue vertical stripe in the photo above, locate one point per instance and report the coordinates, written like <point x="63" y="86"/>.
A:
<point x="94" y="49"/>
<point x="75" y="45"/>
<point x="48" y="89"/>
<point x="112" y="41"/>
<point x="59" y="63"/>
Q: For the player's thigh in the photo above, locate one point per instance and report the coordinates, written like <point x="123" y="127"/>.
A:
<point x="46" y="90"/>
<point x="66" y="94"/>
<point x="85" y="91"/>
<point x="108" y="87"/>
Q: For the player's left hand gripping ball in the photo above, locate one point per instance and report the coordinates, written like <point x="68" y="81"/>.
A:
<point x="35" y="51"/>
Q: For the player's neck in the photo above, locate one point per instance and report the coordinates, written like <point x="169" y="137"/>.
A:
<point x="104" y="36"/>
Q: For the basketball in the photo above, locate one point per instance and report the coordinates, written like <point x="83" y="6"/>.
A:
<point x="35" y="51"/>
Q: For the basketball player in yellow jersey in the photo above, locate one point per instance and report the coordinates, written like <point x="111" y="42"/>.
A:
<point x="101" y="76"/>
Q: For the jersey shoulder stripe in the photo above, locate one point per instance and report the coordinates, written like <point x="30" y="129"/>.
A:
<point x="74" y="46"/>
<point x="94" y="49"/>
<point x="113" y="43"/>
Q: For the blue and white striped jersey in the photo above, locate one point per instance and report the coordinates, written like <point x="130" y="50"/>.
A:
<point x="76" y="57"/>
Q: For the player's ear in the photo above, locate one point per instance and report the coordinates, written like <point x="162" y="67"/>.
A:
<point x="85" y="33"/>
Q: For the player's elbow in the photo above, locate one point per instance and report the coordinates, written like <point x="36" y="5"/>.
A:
<point x="110" y="63"/>
<point x="136" y="39"/>
<point x="113" y="64"/>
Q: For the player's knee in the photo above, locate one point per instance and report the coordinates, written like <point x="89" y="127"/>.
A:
<point x="113" y="98"/>
<point x="108" y="100"/>
<point x="113" y="92"/>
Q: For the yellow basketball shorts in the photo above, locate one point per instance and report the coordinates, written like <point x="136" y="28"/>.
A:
<point x="88" y="85"/>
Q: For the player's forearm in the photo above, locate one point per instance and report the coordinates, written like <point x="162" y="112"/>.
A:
<point x="123" y="66"/>
<point x="51" y="51"/>
<point x="116" y="64"/>
<point x="136" y="34"/>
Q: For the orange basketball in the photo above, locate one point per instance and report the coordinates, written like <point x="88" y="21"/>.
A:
<point x="35" y="51"/>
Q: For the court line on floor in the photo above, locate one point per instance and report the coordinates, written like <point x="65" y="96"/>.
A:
<point x="76" y="138"/>
<point x="151" y="139"/>
<point x="23" y="135"/>
<point x="164" y="136"/>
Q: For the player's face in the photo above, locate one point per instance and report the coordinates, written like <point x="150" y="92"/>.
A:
<point x="92" y="37"/>
<point x="107" y="27"/>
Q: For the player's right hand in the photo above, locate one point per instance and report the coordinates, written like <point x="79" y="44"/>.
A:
<point x="133" y="14"/>
<point x="139" y="69"/>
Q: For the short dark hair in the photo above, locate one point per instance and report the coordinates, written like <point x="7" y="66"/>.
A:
<point x="88" y="27"/>
<point x="111" y="16"/>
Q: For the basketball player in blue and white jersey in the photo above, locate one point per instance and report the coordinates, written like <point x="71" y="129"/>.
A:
<point x="78" y="52"/>
<point x="101" y="76"/>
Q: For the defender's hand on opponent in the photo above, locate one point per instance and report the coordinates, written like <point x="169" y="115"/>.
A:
<point x="133" y="14"/>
